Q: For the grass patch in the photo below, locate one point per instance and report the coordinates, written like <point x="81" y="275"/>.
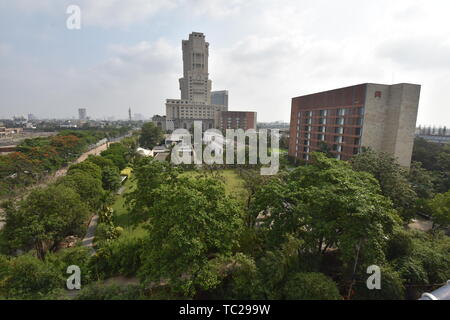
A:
<point x="121" y="214"/>
<point x="234" y="184"/>
<point x="134" y="233"/>
<point x="280" y="150"/>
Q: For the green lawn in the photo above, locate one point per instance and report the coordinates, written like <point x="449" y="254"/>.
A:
<point x="281" y="151"/>
<point x="121" y="216"/>
<point x="234" y="184"/>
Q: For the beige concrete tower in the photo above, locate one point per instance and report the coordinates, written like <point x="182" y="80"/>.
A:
<point x="195" y="103"/>
<point x="195" y="85"/>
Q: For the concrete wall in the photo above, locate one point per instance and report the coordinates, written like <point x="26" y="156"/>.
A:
<point x="390" y="119"/>
<point x="406" y="123"/>
<point x="375" y="111"/>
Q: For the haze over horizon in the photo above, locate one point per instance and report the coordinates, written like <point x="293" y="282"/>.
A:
<point x="128" y="54"/>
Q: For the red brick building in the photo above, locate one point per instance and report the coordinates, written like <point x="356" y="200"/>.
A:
<point x="333" y="118"/>
<point x="341" y="121"/>
<point x="237" y="120"/>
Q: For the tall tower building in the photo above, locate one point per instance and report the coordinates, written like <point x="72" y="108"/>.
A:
<point x="196" y="103"/>
<point x="195" y="85"/>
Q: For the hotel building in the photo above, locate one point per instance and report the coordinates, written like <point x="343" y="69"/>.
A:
<point x="342" y="121"/>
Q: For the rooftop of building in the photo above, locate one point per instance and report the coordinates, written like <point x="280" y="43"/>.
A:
<point x="354" y="86"/>
<point x="240" y="111"/>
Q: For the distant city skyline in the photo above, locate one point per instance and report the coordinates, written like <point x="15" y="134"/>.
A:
<point x="128" y="53"/>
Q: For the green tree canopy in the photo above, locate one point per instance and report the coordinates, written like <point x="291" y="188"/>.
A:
<point x="436" y="158"/>
<point x="111" y="178"/>
<point x="44" y="218"/>
<point x="151" y="136"/>
<point x="117" y="153"/>
<point x="100" y="161"/>
<point x="87" y="167"/>
<point x="328" y="205"/>
<point x="26" y="277"/>
<point x="311" y="286"/>
<point x="149" y="175"/>
<point x="392" y="177"/>
<point x="87" y="186"/>
<point x="440" y="207"/>
<point x="392" y="287"/>
<point x="193" y="223"/>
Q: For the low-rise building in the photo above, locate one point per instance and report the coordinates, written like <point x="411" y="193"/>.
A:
<point x="160" y="122"/>
<point x="237" y="120"/>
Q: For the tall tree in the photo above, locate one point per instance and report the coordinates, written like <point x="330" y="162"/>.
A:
<point x="117" y="153"/>
<point x="392" y="177"/>
<point x="87" y="167"/>
<point x="44" y="218"/>
<point x="440" y="206"/>
<point x="328" y="205"/>
<point x="192" y="224"/>
<point x="149" y="175"/>
<point x="151" y="136"/>
<point x="87" y="186"/>
<point x="421" y="181"/>
<point x="111" y="178"/>
<point x="253" y="182"/>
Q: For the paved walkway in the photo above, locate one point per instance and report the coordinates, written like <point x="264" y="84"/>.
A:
<point x="88" y="240"/>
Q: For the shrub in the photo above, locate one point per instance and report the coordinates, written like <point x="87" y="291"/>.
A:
<point x="399" y="245"/>
<point x="310" y="286"/>
<point x="391" y="287"/>
<point x="111" y="292"/>
<point x="77" y="256"/>
<point x="27" y="277"/>
<point x="118" y="257"/>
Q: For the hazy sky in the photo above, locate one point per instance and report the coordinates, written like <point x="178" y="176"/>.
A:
<point x="128" y="53"/>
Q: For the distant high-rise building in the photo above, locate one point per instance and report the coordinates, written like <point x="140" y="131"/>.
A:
<point x="195" y="103"/>
<point x="219" y="98"/>
<point x="129" y="114"/>
<point x="82" y="114"/>
<point x="31" y="117"/>
<point x="381" y="117"/>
